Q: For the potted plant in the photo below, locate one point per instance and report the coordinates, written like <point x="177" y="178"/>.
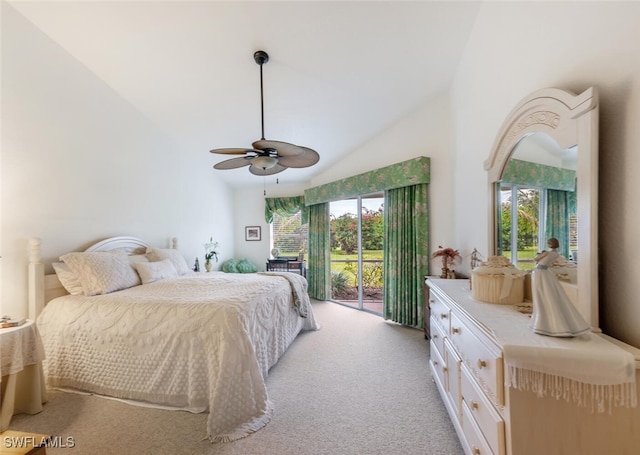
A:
<point x="211" y="252"/>
<point x="449" y="257"/>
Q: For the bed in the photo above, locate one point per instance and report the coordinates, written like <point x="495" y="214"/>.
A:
<point x="193" y="341"/>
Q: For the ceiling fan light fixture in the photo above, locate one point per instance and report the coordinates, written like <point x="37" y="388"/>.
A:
<point x="264" y="162"/>
<point x="267" y="157"/>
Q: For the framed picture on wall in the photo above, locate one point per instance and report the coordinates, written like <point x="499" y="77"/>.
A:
<point x="252" y="233"/>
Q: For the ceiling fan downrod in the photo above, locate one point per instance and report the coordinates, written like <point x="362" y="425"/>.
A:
<point x="267" y="157"/>
<point x="261" y="57"/>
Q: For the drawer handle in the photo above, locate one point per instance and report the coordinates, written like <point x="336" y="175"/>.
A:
<point x="475" y="450"/>
<point x="435" y="362"/>
<point x="474" y="405"/>
<point x="455" y="329"/>
<point x="434" y="336"/>
<point x="443" y="315"/>
<point x="481" y="364"/>
<point x="445" y="369"/>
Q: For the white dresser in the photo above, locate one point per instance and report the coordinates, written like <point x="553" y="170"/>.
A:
<point x="468" y="365"/>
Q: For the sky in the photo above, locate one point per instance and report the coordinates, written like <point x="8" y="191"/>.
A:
<point x="339" y="208"/>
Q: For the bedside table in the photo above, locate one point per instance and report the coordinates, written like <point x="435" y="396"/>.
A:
<point x="23" y="386"/>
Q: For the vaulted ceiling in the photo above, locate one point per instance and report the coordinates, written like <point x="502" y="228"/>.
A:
<point x="339" y="72"/>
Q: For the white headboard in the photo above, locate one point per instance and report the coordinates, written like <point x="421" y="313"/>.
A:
<point x="43" y="288"/>
<point x="131" y="245"/>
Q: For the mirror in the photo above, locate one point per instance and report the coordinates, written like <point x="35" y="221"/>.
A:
<point x="543" y="183"/>
<point x="537" y="200"/>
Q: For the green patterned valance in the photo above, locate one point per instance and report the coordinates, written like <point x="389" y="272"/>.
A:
<point x="285" y="206"/>
<point x="539" y="175"/>
<point x="407" y="173"/>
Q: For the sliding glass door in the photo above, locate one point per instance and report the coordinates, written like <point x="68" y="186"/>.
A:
<point x="357" y="252"/>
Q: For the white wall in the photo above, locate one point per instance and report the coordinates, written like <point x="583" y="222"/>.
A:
<point x="517" y="48"/>
<point x="249" y="203"/>
<point x="79" y="164"/>
<point x="426" y="132"/>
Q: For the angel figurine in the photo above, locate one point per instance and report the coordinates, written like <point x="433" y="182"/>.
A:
<point x="553" y="313"/>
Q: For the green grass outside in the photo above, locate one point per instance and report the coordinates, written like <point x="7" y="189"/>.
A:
<point x="526" y="254"/>
<point x="339" y="255"/>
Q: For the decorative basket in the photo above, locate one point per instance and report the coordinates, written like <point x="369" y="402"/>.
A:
<point x="498" y="281"/>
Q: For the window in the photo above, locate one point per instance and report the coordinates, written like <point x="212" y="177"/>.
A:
<point x="520" y="220"/>
<point x="289" y="235"/>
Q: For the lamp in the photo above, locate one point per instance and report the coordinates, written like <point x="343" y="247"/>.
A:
<point x="264" y="162"/>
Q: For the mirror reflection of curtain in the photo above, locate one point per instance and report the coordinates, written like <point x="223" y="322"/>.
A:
<point x="406" y="255"/>
<point x="560" y="185"/>
<point x="500" y="227"/>
<point x="319" y="264"/>
<point x="560" y="206"/>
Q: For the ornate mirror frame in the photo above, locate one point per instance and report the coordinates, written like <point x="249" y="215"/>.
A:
<point x="570" y="120"/>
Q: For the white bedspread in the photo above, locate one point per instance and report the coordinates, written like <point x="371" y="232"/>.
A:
<point x="199" y="342"/>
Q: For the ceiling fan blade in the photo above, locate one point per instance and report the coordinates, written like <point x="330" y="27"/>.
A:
<point x="233" y="163"/>
<point x="267" y="157"/>
<point x="308" y="158"/>
<point x="232" y="151"/>
<point x="283" y="148"/>
<point x="259" y="171"/>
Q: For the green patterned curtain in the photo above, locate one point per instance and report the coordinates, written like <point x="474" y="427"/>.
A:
<point x="319" y="267"/>
<point x="399" y="175"/>
<point x="285" y="206"/>
<point x="539" y="175"/>
<point x="406" y="258"/>
<point x="560" y="205"/>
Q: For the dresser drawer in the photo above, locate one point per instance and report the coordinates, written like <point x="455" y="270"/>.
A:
<point x="437" y="335"/>
<point x="483" y="362"/>
<point x="453" y="376"/>
<point x="439" y="312"/>
<point x="483" y="412"/>
<point x="476" y="443"/>
<point x="439" y="367"/>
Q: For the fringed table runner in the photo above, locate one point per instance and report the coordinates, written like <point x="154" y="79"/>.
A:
<point x="587" y="370"/>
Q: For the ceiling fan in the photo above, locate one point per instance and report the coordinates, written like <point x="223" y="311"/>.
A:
<point x="267" y="157"/>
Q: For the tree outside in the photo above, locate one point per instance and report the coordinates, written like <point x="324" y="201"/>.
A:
<point x="528" y="228"/>
<point x="289" y="234"/>
<point x="344" y="257"/>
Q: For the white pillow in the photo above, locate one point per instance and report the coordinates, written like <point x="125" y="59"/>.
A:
<point x="160" y="254"/>
<point x="155" y="271"/>
<point x="133" y="258"/>
<point x="68" y="279"/>
<point x="102" y="272"/>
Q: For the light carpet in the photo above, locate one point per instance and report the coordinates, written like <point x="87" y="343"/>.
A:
<point x="359" y="385"/>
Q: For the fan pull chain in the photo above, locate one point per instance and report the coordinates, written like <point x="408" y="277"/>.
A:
<point x="264" y="185"/>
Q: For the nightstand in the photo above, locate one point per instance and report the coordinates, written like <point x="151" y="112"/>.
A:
<point x="284" y="264"/>
<point x="23" y="387"/>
